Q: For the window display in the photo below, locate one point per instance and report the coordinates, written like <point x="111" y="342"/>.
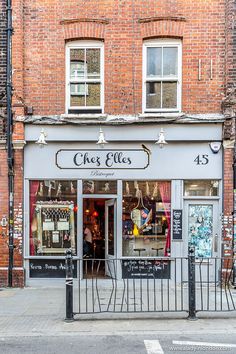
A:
<point x="52" y="217"/>
<point x="146" y="218"/>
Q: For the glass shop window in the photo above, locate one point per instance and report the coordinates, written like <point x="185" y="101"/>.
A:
<point x="201" y="188"/>
<point x="99" y="187"/>
<point x="53" y="208"/>
<point x="146" y="218"/>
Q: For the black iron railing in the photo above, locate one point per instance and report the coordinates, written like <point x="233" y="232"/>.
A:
<point x="181" y="284"/>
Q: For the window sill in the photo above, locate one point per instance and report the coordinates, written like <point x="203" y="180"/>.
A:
<point x="84" y="115"/>
<point x="161" y="115"/>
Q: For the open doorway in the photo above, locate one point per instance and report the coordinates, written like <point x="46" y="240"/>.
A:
<point x="99" y="236"/>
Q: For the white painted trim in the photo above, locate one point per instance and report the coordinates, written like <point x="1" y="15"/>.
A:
<point x="162" y="42"/>
<point x="84" y="44"/>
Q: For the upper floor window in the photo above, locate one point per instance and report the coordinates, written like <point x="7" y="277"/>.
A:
<point x="84" y="77"/>
<point x="162" y="75"/>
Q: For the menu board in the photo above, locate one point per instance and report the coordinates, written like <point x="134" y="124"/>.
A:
<point x="48" y="268"/>
<point x="145" y="269"/>
<point x="177" y="224"/>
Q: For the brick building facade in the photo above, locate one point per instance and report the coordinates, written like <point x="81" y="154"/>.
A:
<point x="3" y="156"/>
<point x="50" y="92"/>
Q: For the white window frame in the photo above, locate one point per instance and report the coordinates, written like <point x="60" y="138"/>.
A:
<point x="160" y="43"/>
<point x="85" y="44"/>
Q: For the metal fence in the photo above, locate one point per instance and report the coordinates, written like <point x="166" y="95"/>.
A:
<point x="181" y="284"/>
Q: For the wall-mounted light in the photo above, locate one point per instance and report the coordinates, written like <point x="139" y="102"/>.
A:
<point x="41" y="140"/>
<point x="161" y="141"/>
<point x="101" y="138"/>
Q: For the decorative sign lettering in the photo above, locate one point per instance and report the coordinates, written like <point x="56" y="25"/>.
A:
<point x="48" y="268"/>
<point x="177" y="224"/>
<point x="102" y="159"/>
<point x="145" y="269"/>
<point x="201" y="159"/>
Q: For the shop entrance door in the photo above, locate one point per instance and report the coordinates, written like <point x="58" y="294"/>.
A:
<point x="202" y="225"/>
<point x="110" y="238"/>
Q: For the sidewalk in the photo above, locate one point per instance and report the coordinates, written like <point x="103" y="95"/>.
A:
<point x="41" y="312"/>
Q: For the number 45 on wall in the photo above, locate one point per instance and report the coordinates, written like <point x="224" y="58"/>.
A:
<point x="201" y="160"/>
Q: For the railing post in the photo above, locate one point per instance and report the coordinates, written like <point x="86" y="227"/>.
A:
<point x="69" y="286"/>
<point x="191" y="285"/>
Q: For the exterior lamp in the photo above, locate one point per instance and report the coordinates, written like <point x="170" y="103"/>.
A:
<point x="161" y="141"/>
<point x="101" y="138"/>
<point x="41" y="140"/>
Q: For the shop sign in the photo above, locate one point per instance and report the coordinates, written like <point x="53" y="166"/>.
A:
<point x="145" y="269"/>
<point x="103" y="159"/>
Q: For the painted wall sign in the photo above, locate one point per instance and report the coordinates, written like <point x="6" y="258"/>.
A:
<point x="45" y="268"/>
<point x="102" y="159"/>
<point x="177" y="224"/>
<point x="145" y="269"/>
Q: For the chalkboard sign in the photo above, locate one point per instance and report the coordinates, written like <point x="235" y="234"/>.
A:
<point x="177" y="224"/>
<point x="145" y="269"/>
<point x="49" y="268"/>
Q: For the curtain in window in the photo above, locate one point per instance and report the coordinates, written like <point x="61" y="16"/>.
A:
<point x="34" y="186"/>
<point x="165" y="192"/>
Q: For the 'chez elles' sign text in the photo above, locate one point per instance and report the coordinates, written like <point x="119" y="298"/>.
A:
<point x="102" y="159"/>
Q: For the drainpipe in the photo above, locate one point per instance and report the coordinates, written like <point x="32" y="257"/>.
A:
<point x="10" y="160"/>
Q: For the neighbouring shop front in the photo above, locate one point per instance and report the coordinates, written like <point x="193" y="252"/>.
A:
<point x="129" y="200"/>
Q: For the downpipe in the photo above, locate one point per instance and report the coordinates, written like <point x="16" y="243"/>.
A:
<point x="10" y="157"/>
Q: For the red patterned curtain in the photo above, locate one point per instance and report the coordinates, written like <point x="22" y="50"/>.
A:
<point x="165" y="192"/>
<point x="34" y="186"/>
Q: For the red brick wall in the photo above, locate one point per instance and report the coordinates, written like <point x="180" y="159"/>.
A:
<point x="201" y="24"/>
<point x="18" y="273"/>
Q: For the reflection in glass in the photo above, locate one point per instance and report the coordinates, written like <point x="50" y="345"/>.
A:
<point x="169" y="94"/>
<point x="170" y="61"/>
<point x="201" y="188"/>
<point x="153" y="94"/>
<point x="77" y="63"/>
<point x="99" y="187"/>
<point x="200" y="229"/>
<point x="93" y="95"/>
<point x="93" y="63"/>
<point x="154" y="61"/>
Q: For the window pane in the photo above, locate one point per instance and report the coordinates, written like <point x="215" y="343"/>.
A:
<point x="201" y="188"/>
<point x="77" y="63"/>
<point x="153" y="95"/>
<point x="93" y="95"/>
<point x="53" y="207"/>
<point x="170" y="61"/>
<point x="77" y="97"/>
<point x="169" y="94"/>
<point x="93" y="63"/>
<point x="99" y="187"/>
<point x="154" y="61"/>
<point x="146" y="218"/>
<point x="200" y="224"/>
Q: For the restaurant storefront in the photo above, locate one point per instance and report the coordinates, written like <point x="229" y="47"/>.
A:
<point x="127" y="200"/>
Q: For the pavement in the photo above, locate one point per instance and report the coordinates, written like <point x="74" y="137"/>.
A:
<point x="41" y="312"/>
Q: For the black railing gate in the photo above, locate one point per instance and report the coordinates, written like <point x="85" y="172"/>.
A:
<point x="184" y="284"/>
